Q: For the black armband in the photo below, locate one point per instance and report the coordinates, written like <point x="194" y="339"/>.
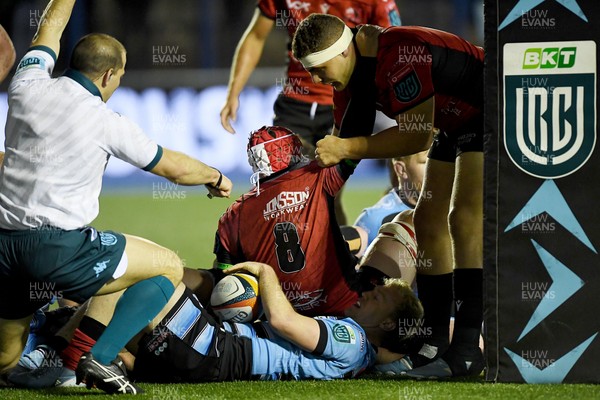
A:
<point x="219" y="181"/>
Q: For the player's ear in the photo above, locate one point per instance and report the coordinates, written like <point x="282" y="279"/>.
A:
<point x="107" y="77"/>
<point x="388" y="324"/>
<point x="400" y="169"/>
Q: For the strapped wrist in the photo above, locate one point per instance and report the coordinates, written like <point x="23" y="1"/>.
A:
<point x="220" y="180"/>
<point x="216" y="186"/>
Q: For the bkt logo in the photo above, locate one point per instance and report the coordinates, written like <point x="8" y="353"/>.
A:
<point x="550" y="106"/>
<point x="553" y="57"/>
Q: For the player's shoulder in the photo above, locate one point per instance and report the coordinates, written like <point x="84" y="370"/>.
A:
<point x="367" y="38"/>
<point x="38" y="62"/>
<point x="347" y="333"/>
<point x="396" y="33"/>
<point x="236" y="206"/>
<point x="334" y="322"/>
<point x="305" y="167"/>
<point x="35" y="56"/>
<point x="422" y="34"/>
<point x="269" y="8"/>
<point x="358" y="3"/>
<point x="387" y="200"/>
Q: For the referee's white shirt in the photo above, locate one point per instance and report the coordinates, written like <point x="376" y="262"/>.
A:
<point x="59" y="137"/>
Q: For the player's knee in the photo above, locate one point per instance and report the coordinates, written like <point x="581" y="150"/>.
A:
<point x="426" y="213"/>
<point x="9" y="356"/>
<point x="465" y="223"/>
<point x="427" y="225"/>
<point x="13" y="336"/>
<point x="171" y="266"/>
<point x="175" y="275"/>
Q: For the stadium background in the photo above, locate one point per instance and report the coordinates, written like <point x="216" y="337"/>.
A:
<point x="178" y="61"/>
<point x="179" y="54"/>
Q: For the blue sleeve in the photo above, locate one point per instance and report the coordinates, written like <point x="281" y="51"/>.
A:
<point x="371" y="225"/>
<point x="346" y="342"/>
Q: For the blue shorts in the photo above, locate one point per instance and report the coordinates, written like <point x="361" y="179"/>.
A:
<point x="39" y="264"/>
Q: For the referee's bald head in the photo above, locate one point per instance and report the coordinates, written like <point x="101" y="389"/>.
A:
<point x="96" y="53"/>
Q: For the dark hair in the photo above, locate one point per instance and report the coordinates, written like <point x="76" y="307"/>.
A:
<point x="316" y="32"/>
<point x="408" y="314"/>
<point x="96" y="53"/>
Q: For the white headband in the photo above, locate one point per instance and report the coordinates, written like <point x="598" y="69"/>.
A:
<point x="327" y="54"/>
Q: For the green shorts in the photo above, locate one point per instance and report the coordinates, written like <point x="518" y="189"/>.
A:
<point x="39" y="264"/>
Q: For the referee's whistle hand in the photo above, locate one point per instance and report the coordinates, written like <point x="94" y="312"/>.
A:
<point x="224" y="189"/>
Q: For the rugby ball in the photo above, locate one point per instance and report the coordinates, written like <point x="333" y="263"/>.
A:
<point x="235" y="298"/>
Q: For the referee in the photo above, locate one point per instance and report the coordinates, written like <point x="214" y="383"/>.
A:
<point x="59" y="137"/>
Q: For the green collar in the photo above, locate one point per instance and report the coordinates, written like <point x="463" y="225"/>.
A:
<point x="83" y="81"/>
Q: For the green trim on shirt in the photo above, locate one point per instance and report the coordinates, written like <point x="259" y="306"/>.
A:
<point x="83" y="81"/>
<point x="350" y="163"/>
<point x="223" y="266"/>
<point x="155" y="160"/>
<point x="44" y="49"/>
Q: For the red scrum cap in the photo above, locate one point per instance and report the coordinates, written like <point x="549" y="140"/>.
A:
<point x="272" y="149"/>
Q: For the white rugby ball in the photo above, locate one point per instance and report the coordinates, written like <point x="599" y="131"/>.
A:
<point x="235" y="298"/>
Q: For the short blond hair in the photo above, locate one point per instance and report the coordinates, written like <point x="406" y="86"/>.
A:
<point x="408" y="311"/>
<point x="96" y="53"/>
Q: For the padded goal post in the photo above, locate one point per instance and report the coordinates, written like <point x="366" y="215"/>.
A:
<point x="542" y="170"/>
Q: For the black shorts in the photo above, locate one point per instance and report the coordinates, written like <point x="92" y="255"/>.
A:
<point x="188" y="345"/>
<point x="298" y="116"/>
<point x="447" y="147"/>
<point x="39" y="264"/>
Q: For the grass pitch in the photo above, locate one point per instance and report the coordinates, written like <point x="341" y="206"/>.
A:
<point x="373" y="389"/>
<point x="185" y="221"/>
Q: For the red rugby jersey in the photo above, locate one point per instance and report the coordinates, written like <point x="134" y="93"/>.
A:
<point x="291" y="226"/>
<point x="288" y="14"/>
<point x="415" y="63"/>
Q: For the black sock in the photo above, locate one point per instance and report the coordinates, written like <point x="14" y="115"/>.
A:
<point x="468" y="297"/>
<point x="91" y="327"/>
<point x="464" y="356"/>
<point x="58" y="343"/>
<point x="435" y="293"/>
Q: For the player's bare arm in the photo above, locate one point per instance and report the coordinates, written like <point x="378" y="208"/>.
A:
<point x="298" y="329"/>
<point x="247" y="55"/>
<point x="185" y="170"/>
<point x="395" y="141"/>
<point x="1" y="157"/>
<point x="52" y="24"/>
<point x="7" y="54"/>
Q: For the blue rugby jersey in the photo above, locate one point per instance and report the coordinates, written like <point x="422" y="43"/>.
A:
<point x="371" y="218"/>
<point x="189" y="345"/>
<point x="343" y="352"/>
